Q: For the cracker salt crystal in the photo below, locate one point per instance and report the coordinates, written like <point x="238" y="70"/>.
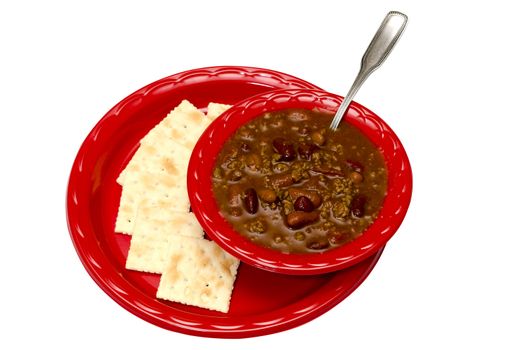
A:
<point x="199" y="273"/>
<point x="154" y="228"/>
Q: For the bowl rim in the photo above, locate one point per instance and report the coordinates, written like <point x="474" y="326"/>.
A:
<point x="206" y="210"/>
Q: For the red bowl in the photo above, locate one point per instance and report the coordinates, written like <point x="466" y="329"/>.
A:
<point x="203" y="203"/>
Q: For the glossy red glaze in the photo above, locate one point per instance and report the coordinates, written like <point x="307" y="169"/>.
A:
<point x="262" y="302"/>
<point x="204" y="205"/>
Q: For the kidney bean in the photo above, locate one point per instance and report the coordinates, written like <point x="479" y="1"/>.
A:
<point x="282" y="180"/>
<point x="356" y="166"/>
<point x="289" y="154"/>
<point x="284" y="148"/>
<point x="306" y="150"/>
<point x="313" y="196"/>
<point x="303" y="203"/>
<point x="278" y="144"/>
<point x="357" y="206"/>
<point x="318" y="245"/>
<point x="267" y="195"/>
<point x="298" y="219"/>
<point x="251" y="201"/>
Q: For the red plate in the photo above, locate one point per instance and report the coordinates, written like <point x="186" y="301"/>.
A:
<point x="262" y="302"/>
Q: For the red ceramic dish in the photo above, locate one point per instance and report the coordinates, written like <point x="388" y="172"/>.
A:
<point x="93" y="198"/>
<point x="207" y="211"/>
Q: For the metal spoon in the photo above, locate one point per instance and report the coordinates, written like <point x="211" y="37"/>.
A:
<point x="381" y="45"/>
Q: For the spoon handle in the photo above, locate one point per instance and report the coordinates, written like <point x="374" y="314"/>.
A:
<point x="381" y="45"/>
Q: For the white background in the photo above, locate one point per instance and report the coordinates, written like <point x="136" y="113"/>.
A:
<point x="455" y="274"/>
